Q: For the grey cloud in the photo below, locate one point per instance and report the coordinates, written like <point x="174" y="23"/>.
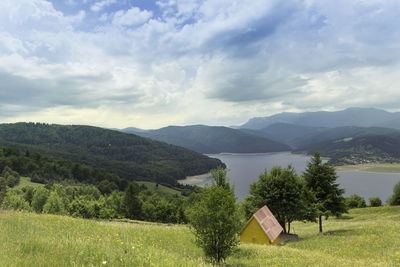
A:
<point x="36" y="94"/>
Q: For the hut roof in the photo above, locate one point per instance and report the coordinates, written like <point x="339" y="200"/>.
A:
<point x="268" y="223"/>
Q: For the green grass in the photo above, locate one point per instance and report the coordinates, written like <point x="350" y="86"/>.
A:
<point x="372" y="167"/>
<point x="161" y="189"/>
<point x="26" y="181"/>
<point x="364" y="237"/>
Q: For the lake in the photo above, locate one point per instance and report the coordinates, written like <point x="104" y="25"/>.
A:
<point x="244" y="169"/>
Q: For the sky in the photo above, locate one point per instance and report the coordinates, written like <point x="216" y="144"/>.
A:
<point x="149" y="64"/>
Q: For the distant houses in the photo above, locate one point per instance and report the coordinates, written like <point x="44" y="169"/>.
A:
<point x="262" y="228"/>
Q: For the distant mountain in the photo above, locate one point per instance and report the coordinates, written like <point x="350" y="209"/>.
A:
<point x="395" y="124"/>
<point x="127" y="155"/>
<point x="362" y="117"/>
<point x="284" y="132"/>
<point x="213" y="139"/>
<point x="353" y="145"/>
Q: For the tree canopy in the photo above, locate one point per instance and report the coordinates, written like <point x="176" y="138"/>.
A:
<point x="284" y="194"/>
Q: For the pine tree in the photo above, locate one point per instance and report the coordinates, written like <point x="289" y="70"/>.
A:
<point x="320" y="179"/>
<point x="133" y="205"/>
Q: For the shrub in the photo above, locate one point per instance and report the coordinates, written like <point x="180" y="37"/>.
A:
<point x="375" y="202"/>
<point x="15" y="201"/>
<point x="355" y="201"/>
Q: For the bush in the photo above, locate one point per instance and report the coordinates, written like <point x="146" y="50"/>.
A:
<point x="355" y="201"/>
<point x="15" y="201"/>
<point x="375" y="202"/>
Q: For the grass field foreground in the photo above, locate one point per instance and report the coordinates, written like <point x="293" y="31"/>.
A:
<point x="364" y="237"/>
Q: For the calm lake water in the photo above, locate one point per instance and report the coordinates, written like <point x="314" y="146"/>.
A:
<point x="244" y="169"/>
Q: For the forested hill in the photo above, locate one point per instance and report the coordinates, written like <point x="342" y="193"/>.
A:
<point x="129" y="156"/>
<point x="212" y="139"/>
<point x="354" y="145"/>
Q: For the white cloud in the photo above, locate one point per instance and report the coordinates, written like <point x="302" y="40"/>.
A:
<point x="131" y="17"/>
<point x="96" y="7"/>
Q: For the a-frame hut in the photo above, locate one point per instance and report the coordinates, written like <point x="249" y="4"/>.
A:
<point x="262" y="228"/>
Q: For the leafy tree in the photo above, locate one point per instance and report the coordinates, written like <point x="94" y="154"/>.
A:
<point x="133" y="205"/>
<point x="320" y="179"/>
<point x="220" y="178"/>
<point x="284" y="194"/>
<point x="395" y="199"/>
<point x="12" y="177"/>
<point x="15" y="201"/>
<point x="54" y="204"/>
<point x="28" y="193"/>
<point x="39" y="199"/>
<point x="375" y="202"/>
<point x="215" y="221"/>
<point x="3" y="189"/>
<point x="355" y="201"/>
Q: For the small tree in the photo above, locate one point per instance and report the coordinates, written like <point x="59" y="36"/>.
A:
<point x="54" y="204"/>
<point x="220" y="178"/>
<point x="395" y="199"/>
<point x="375" y="202"/>
<point x="284" y="194"/>
<point x="320" y="179"/>
<point x="215" y="220"/>
<point x="39" y="198"/>
<point x="133" y="205"/>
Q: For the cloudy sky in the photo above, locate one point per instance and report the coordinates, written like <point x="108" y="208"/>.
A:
<point x="149" y="64"/>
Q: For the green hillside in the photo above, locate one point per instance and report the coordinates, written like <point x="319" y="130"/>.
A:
<point x="364" y="237"/>
<point x="127" y="155"/>
<point x="213" y="139"/>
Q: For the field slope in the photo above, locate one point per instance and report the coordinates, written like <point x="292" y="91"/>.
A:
<point x="364" y="237"/>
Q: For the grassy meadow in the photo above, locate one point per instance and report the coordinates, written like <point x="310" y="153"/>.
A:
<point x="364" y="237"/>
<point x="372" y="167"/>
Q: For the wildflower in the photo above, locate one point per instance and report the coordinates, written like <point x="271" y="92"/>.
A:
<point x="104" y="262"/>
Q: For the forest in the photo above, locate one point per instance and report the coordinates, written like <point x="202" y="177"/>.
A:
<point x="129" y="156"/>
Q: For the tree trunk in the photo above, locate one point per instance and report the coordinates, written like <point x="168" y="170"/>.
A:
<point x="320" y="223"/>
<point x="288" y="227"/>
<point x="284" y="227"/>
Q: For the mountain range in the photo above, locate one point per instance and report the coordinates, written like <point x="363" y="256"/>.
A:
<point x="362" y="117"/>
<point x="212" y="139"/>
<point x="353" y="135"/>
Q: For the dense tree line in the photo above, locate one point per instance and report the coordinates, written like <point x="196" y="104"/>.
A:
<point x="86" y="201"/>
<point x="126" y="155"/>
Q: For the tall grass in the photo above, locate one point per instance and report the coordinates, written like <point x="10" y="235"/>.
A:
<point x="364" y="237"/>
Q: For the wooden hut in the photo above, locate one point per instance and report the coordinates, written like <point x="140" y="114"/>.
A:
<point x="262" y="228"/>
